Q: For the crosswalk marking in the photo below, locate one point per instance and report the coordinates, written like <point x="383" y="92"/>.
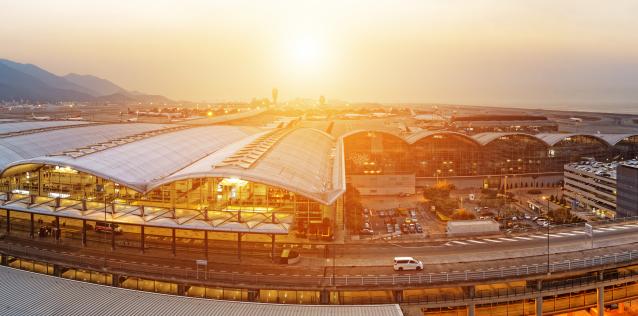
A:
<point x="632" y="225"/>
<point x="539" y="236"/>
<point x="459" y="242"/>
<point x="476" y="241"/>
<point x="567" y="234"/>
<point x="622" y="227"/>
<point x="556" y="236"/>
<point x="492" y="240"/>
<point x="507" y="239"/>
<point x="522" y="238"/>
<point x="607" y="228"/>
<point x="598" y="231"/>
<point x="579" y="232"/>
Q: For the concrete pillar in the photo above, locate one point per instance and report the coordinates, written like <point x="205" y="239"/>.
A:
<point x="57" y="270"/>
<point x="253" y="295"/>
<point x="398" y="296"/>
<point x="272" y="248"/>
<point x="32" y="226"/>
<point x="471" y="309"/>
<point x="112" y="239"/>
<point x="539" y="305"/>
<point x="181" y="289"/>
<point x="324" y="297"/>
<point x="142" y="238"/>
<point x="173" y="246"/>
<point x="600" y="305"/>
<point x="8" y="222"/>
<point x="57" y="202"/>
<point x="3" y="260"/>
<point x="58" y="233"/>
<point x="83" y="233"/>
<point x="239" y="246"/>
<point x="115" y="280"/>
<point x="206" y="244"/>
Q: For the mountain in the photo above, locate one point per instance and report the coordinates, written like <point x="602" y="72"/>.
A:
<point x="101" y="86"/>
<point x="16" y="85"/>
<point x="48" y="78"/>
<point x="20" y="81"/>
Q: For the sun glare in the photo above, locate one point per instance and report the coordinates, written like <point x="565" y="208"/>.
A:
<point x="306" y="53"/>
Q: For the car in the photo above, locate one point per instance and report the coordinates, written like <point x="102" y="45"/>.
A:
<point x="389" y="228"/>
<point x="397" y="228"/>
<point x="366" y="225"/>
<point x="405" y="229"/>
<point x="107" y="227"/>
<point x="366" y="231"/>
<point x="381" y="213"/>
<point x="407" y="263"/>
<point x="412" y="228"/>
<point x="514" y="218"/>
<point x="527" y="216"/>
<point x="419" y="229"/>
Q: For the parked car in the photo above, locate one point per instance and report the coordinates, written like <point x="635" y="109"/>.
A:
<point x="405" y="228"/>
<point x="389" y="228"/>
<point x="107" y="227"/>
<point x="397" y="228"/>
<point x="412" y="228"/>
<point x="366" y="231"/>
<point x="419" y="229"/>
<point x="407" y="263"/>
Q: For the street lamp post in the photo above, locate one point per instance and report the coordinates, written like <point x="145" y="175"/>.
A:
<point x="548" y="227"/>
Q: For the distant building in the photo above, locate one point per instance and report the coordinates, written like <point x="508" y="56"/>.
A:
<point x="627" y="196"/>
<point x="593" y="185"/>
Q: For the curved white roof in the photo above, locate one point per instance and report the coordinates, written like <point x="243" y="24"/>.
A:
<point x="486" y="138"/>
<point x="27" y="146"/>
<point x="138" y="163"/>
<point x="413" y="138"/>
<point x="31" y="125"/>
<point x="302" y="162"/>
<point x="553" y="139"/>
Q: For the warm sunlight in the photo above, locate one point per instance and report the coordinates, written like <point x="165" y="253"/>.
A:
<point x="307" y="54"/>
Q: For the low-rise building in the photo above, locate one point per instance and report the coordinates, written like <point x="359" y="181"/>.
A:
<point x="592" y="185"/>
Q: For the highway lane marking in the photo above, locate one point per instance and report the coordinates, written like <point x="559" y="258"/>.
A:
<point x="607" y="228"/>
<point x="522" y="238"/>
<point x="567" y="234"/>
<point x="459" y="242"/>
<point x="539" y="236"/>
<point x="476" y="241"/>
<point x="555" y="236"/>
<point x="492" y="240"/>
<point x="622" y="227"/>
<point x="598" y="231"/>
<point x="579" y="232"/>
<point x="632" y="225"/>
<point x="507" y="239"/>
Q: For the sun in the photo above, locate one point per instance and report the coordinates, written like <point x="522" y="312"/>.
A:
<point x="307" y="53"/>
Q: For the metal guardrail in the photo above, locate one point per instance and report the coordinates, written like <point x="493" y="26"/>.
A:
<point x="399" y="279"/>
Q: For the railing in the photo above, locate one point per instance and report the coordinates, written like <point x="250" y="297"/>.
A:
<point x="256" y="279"/>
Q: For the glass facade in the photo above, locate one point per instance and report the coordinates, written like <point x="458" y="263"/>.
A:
<point x="445" y="154"/>
<point x="184" y="197"/>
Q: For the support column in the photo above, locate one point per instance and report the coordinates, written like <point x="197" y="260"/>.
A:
<point x="112" y="238"/>
<point x="272" y="248"/>
<point x="58" y="233"/>
<point x="398" y="296"/>
<point x="83" y="233"/>
<point x="142" y="239"/>
<point x="239" y="246"/>
<point x="253" y="295"/>
<point x="600" y="305"/>
<point x="324" y="297"/>
<point x="57" y="271"/>
<point x="181" y="289"/>
<point x="206" y="244"/>
<point x="471" y="309"/>
<point x="173" y="242"/>
<point x="115" y="280"/>
<point x="32" y="224"/>
<point x="539" y="305"/>
<point x="8" y="222"/>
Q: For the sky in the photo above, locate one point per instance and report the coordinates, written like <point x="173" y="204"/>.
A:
<point x="542" y="53"/>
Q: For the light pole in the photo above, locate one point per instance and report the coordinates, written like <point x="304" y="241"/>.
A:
<point x="547" y="222"/>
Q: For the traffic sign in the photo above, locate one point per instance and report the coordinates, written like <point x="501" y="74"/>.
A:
<point x="589" y="230"/>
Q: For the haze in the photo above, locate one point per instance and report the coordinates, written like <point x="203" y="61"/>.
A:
<point x="544" y="53"/>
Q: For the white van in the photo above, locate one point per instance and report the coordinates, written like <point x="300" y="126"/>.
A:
<point x="407" y="263"/>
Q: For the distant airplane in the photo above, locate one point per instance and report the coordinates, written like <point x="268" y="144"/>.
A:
<point x="40" y="118"/>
